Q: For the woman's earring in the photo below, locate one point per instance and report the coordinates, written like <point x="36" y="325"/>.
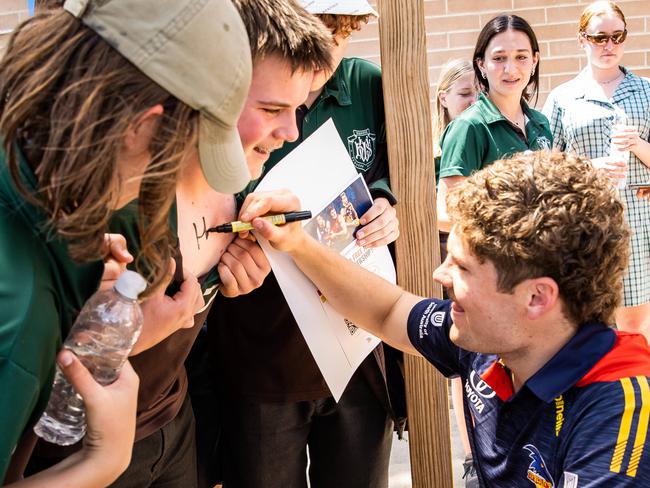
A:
<point x="483" y="74"/>
<point x="532" y="73"/>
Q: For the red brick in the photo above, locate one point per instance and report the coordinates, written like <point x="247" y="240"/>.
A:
<point x="557" y="80"/>
<point x="364" y="48"/>
<point x="638" y="24"/>
<point x="8" y="21"/>
<point x="452" y="23"/>
<point x="560" y="65"/>
<point x="544" y="50"/>
<point x="544" y="83"/>
<point x="549" y="32"/>
<point x="634" y="59"/>
<point x="473" y="6"/>
<point x="540" y="3"/>
<point x="462" y="39"/>
<point x="13" y="6"/>
<point x="635" y="8"/>
<point x="434" y="8"/>
<point x="644" y="72"/>
<point x="534" y="16"/>
<point x="566" y="13"/>
<point x="565" y="48"/>
<point x="438" y="41"/>
<point x="437" y="58"/>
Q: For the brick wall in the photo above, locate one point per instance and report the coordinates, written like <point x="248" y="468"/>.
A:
<point x="11" y="13"/>
<point x="453" y="26"/>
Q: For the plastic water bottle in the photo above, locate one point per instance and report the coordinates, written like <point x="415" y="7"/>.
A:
<point x="615" y="155"/>
<point x="102" y="337"/>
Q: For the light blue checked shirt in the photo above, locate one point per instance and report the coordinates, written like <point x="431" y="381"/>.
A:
<point x="581" y="121"/>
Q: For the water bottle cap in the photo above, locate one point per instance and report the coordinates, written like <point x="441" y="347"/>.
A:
<point x="130" y="284"/>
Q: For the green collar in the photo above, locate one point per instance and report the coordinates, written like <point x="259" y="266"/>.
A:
<point x="491" y="113"/>
<point x="13" y="199"/>
<point x="337" y="88"/>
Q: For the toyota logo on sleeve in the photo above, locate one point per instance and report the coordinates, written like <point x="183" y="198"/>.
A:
<point x="480" y="386"/>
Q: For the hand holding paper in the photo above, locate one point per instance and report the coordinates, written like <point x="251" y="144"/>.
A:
<point x="380" y="225"/>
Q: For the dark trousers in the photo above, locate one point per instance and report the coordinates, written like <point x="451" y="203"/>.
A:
<point x="166" y="458"/>
<point x="265" y="444"/>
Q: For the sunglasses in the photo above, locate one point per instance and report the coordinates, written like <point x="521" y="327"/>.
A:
<point x="602" y="39"/>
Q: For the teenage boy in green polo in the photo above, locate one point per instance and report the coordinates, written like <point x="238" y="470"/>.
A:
<point x="276" y="400"/>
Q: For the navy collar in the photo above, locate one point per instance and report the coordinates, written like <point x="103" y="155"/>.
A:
<point x="578" y="356"/>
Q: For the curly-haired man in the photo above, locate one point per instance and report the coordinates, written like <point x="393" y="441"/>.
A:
<point x="554" y="396"/>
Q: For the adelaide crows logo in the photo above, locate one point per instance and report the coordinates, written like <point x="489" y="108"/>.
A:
<point x="361" y="146"/>
<point x="537" y="472"/>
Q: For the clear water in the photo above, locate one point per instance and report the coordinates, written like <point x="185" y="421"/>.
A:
<point x="102" y="338"/>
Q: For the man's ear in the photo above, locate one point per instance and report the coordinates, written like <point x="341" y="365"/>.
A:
<point x="543" y="297"/>
<point x="138" y="135"/>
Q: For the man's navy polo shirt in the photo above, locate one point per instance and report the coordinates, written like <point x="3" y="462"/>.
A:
<point x="580" y="421"/>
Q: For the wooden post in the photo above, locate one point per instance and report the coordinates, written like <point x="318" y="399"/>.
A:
<point x="410" y="151"/>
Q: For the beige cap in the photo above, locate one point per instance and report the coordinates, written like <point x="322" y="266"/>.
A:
<point x="338" y="7"/>
<point x="198" y="51"/>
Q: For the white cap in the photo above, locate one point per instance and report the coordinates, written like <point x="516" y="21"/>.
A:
<point x="338" y="7"/>
<point x="130" y="284"/>
<point x="198" y="51"/>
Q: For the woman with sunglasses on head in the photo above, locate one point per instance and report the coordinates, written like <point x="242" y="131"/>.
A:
<point x="607" y="107"/>
<point x="500" y="123"/>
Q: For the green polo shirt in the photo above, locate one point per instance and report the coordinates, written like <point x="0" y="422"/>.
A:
<point x="353" y="99"/>
<point x="41" y="292"/>
<point x="481" y="135"/>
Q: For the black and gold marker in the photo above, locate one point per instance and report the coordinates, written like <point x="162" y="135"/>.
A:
<point x="278" y="219"/>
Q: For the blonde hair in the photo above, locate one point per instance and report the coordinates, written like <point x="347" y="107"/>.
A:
<point x="451" y="72"/>
<point x="596" y="9"/>
<point x="548" y="214"/>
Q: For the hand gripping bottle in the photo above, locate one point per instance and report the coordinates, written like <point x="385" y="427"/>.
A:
<point x="102" y="337"/>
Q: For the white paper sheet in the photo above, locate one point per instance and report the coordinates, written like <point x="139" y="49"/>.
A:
<point x="317" y="172"/>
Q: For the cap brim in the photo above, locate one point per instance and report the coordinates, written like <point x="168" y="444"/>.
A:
<point x="222" y="157"/>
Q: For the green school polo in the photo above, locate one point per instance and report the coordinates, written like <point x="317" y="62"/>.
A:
<point x="41" y="292"/>
<point x="353" y="99"/>
<point x="481" y="135"/>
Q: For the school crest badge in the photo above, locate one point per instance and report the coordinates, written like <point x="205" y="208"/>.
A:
<point x="543" y="142"/>
<point x="362" y="148"/>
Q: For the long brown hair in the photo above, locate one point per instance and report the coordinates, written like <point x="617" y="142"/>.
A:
<point x="497" y="25"/>
<point x="67" y="99"/>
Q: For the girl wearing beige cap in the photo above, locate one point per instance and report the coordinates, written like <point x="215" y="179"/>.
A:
<point x="94" y="111"/>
